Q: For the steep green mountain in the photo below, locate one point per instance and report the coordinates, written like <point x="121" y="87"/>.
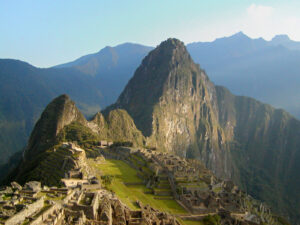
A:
<point x="179" y="110"/>
<point x="61" y="121"/>
<point x="265" y="150"/>
<point x="26" y="90"/>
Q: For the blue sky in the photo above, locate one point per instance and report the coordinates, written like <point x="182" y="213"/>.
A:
<point x="49" y="32"/>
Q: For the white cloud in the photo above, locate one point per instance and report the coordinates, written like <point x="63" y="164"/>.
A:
<point x="255" y="20"/>
<point x="258" y="12"/>
<point x="266" y="21"/>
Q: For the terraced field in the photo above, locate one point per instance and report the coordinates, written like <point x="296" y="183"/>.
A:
<point x="129" y="194"/>
<point x="52" y="167"/>
<point x="190" y="222"/>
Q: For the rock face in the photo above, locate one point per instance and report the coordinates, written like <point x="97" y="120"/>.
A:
<point x="179" y="110"/>
<point x="16" y="186"/>
<point x="116" y="125"/>
<point x="34" y="186"/>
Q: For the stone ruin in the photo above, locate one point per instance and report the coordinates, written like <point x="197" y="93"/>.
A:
<point x="37" y="205"/>
<point x="193" y="186"/>
<point x="82" y="201"/>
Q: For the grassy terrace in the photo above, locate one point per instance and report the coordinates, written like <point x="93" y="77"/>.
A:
<point x="190" y="222"/>
<point x="122" y="172"/>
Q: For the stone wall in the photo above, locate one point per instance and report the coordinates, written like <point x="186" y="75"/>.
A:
<point x="95" y="205"/>
<point x="81" y="219"/>
<point x="44" y="215"/>
<point x="21" y="216"/>
<point x="68" y="197"/>
<point x="91" y="211"/>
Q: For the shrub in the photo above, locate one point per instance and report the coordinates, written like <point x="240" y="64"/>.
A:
<point x="212" y="220"/>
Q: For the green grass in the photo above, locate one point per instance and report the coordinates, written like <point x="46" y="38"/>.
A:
<point x="130" y="194"/>
<point x="119" y="169"/>
<point x="190" y="222"/>
<point x="217" y="189"/>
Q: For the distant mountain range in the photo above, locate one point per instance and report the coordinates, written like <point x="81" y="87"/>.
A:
<point x="266" y="70"/>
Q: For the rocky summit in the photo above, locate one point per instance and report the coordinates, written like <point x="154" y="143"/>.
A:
<point x="173" y="149"/>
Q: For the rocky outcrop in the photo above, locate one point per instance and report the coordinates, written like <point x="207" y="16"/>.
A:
<point x="116" y="125"/>
<point x="34" y="186"/>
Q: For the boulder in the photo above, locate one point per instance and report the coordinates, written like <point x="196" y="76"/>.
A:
<point x="34" y="186"/>
<point x="16" y="186"/>
<point x="46" y="188"/>
<point x="6" y="190"/>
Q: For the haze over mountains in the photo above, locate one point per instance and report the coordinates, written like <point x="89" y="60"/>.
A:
<point x="266" y="70"/>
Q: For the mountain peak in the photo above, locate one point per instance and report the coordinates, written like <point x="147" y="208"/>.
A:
<point x="171" y="50"/>
<point x="171" y="42"/>
<point x="281" y="38"/>
<point x="240" y="35"/>
<point x="171" y="45"/>
<point x="164" y="73"/>
<point x="63" y="97"/>
<point x="59" y="113"/>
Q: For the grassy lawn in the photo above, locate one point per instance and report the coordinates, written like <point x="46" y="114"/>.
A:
<point x="130" y="194"/>
<point x="190" y="222"/>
